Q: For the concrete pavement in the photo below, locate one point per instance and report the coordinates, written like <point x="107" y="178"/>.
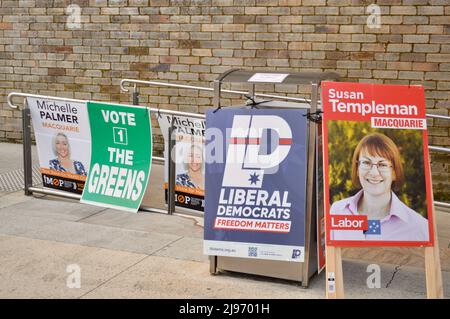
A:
<point x="148" y="255"/>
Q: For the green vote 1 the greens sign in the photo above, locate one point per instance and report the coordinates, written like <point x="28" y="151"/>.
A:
<point x="121" y="156"/>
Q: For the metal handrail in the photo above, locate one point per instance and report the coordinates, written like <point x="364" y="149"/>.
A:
<point x="13" y="94"/>
<point x="442" y="204"/>
<point x="438" y="149"/>
<point x="172" y="112"/>
<point x="123" y="81"/>
<point x="202" y="88"/>
<point x="438" y="116"/>
<point x="152" y="109"/>
<point x="194" y="115"/>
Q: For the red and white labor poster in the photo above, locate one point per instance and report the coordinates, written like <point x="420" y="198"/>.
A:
<point x="378" y="189"/>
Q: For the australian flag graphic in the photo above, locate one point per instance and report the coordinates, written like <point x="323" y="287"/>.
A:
<point x="374" y="227"/>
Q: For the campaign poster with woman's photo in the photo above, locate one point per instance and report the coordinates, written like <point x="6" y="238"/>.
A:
<point x="63" y="141"/>
<point x="378" y="189"/>
<point x="189" y="155"/>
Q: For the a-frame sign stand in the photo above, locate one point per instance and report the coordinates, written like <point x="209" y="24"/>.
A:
<point x="363" y="104"/>
<point x="333" y="273"/>
<point x="433" y="272"/>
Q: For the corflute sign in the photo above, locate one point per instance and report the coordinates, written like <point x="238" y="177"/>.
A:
<point x="63" y="140"/>
<point x="189" y="159"/>
<point x="121" y="156"/>
<point x="255" y="191"/>
<point x="378" y="189"/>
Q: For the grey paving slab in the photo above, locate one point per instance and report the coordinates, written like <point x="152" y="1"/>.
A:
<point x="14" y="223"/>
<point x="55" y="220"/>
<point x="9" y="199"/>
<point x="149" y="222"/>
<point x="148" y="255"/>
<point x="402" y="282"/>
<point x="32" y="268"/>
<point x="186" y="248"/>
<point x="12" y="157"/>
<point x="102" y="236"/>
<point x="163" y="277"/>
<point x="52" y="207"/>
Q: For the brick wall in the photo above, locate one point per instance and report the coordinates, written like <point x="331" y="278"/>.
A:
<point x="192" y="41"/>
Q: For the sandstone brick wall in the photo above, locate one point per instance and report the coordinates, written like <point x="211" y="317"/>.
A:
<point x="192" y="41"/>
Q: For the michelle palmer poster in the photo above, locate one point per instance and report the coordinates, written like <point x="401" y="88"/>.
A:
<point x="189" y="156"/>
<point x="378" y="189"/>
<point x="256" y="183"/>
<point x="63" y="140"/>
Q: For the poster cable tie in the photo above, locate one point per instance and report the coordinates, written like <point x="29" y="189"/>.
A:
<point x="315" y="117"/>
<point x="253" y="103"/>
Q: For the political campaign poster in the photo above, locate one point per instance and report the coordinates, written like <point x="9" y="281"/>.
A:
<point x="320" y="213"/>
<point x="189" y="157"/>
<point x="256" y="183"/>
<point x="63" y="141"/>
<point x="121" y="156"/>
<point x="378" y="189"/>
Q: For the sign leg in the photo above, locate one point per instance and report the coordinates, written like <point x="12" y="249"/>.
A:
<point x="334" y="277"/>
<point x="433" y="272"/>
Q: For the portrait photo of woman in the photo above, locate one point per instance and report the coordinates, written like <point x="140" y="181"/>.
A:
<point x="63" y="161"/>
<point x="377" y="173"/>
<point x="193" y="168"/>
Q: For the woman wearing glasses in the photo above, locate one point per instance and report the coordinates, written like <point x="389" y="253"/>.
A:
<point x="377" y="170"/>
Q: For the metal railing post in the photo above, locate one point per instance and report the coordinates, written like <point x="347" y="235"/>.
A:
<point x="27" y="164"/>
<point x="135" y="95"/>
<point x="217" y="89"/>
<point x="310" y="183"/>
<point x="171" y="170"/>
<point x="251" y="91"/>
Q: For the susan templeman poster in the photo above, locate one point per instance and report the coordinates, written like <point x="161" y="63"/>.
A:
<point x="189" y="156"/>
<point x="63" y="140"/>
<point x="377" y="171"/>
<point x="255" y="183"/>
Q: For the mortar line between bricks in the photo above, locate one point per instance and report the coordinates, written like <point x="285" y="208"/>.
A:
<point x="113" y="277"/>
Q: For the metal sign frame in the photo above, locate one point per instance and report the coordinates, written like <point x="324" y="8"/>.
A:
<point x="293" y="271"/>
<point x="29" y="189"/>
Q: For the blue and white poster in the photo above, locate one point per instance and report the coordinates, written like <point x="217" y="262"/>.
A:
<point x="255" y="183"/>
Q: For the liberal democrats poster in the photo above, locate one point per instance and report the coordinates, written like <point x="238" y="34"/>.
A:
<point x="255" y="183"/>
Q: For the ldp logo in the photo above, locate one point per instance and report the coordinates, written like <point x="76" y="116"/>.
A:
<point x="258" y="144"/>
<point x="296" y="253"/>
